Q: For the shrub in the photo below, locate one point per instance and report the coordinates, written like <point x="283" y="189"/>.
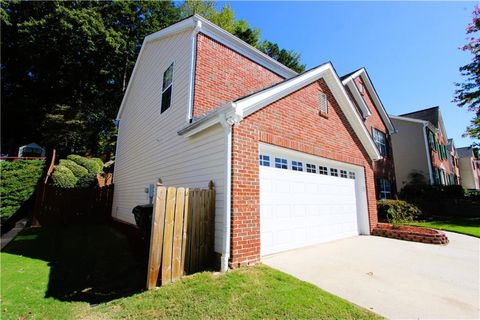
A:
<point x="398" y="212"/>
<point x="17" y="184"/>
<point x="99" y="162"/>
<point x="63" y="177"/>
<point x="91" y="165"/>
<point x="85" y="179"/>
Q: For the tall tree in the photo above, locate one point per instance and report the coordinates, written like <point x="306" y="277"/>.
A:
<point x="468" y="92"/>
<point x="68" y="62"/>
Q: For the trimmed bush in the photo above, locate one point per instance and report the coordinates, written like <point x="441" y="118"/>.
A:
<point x="17" y="184"/>
<point x="92" y="166"/>
<point x="398" y="212"/>
<point x="99" y="162"/>
<point x="85" y="179"/>
<point x="63" y="177"/>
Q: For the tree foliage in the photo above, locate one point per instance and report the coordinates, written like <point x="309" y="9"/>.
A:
<point x="467" y="93"/>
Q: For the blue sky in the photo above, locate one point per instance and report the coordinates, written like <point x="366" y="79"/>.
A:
<point x="410" y="49"/>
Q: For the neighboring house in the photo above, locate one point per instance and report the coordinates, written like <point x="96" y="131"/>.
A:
<point x="420" y="146"/>
<point x="290" y="156"/>
<point x="365" y="98"/>
<point x="469" y="167"/>
<point x="453" y="162"/>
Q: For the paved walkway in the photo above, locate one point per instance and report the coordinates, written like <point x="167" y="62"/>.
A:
<point x="396" y="279"/>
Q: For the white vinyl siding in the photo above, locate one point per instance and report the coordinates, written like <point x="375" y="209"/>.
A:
<point x="148" y="145"/>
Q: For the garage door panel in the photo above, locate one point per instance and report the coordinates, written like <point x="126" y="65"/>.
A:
<point x="300" y="209"/>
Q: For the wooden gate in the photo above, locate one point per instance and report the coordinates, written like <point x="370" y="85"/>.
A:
<point x="182" y="237"/>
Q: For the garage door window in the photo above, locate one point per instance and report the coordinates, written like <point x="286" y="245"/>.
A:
<point x="281" y="163"/>
<point x="311" y="168"/>
<point x="323" y="170"/>
<point x="264" y="160"/>
<point x="333" y="172"/>
<point x="351" y="175"/>
<point x="297" y="166"/>
<point x="343" y="173"/>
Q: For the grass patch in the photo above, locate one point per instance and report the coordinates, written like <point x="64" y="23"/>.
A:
<point x="468" y="226"/>
<point x="91" y="272"/>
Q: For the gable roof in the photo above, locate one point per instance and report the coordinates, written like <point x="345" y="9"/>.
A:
<point x="465" y="152"/>
<point x="234" y="111"/>
<point x="348" y="80"/>
<point x="197" y="23"/>
<point x="432" y="115"/>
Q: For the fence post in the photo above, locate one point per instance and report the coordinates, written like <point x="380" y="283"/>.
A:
<point x="37" y="208"/>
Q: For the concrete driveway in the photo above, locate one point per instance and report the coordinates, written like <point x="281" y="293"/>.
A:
<point x="396" y="279"/>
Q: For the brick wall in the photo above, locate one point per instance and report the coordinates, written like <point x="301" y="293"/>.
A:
<point x="292" y="122"/>
<point x="384" y="168"/>
<point x="223" y="75"/>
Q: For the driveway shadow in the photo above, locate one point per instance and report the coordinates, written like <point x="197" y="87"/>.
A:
<point x="89" y="263"/>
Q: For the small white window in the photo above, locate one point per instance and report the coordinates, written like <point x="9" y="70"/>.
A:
<point x="343" y="173"/>
<point x="264" y="160"/>
<point x="323" y="170"/>
<point x="311" y="168"/>
<point x="351" y="175"/>
<point x="297" y="166"/>
<point x="361" y="88"/>
<point x="167" y="89"/>
<point x="281" y="163"/>
<point x="323" y="100"/>
<point x="333" y="172"/>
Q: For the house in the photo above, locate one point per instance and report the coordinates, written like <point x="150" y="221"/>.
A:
<point x="368" y="104"/>
<point x="290" y="156"/>
<point x="420" y="146"/>
<point x="469" y="164"/>
<point x="453" y="162"/>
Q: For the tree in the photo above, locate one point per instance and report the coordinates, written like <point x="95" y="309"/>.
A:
<point x="289" y="58"/>
<point x="65" y="64"/>
<point x="468" y="93"/>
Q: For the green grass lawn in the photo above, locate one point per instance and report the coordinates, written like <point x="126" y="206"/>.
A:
<point x="468" y="226"/>
<point x="95" y="272"/>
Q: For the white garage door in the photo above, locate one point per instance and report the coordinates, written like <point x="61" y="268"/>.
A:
<point x="305" y="200"/>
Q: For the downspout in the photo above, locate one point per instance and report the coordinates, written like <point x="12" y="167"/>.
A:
<point x="193" y="61"/>
<point x="227" y="125"/>
<point x="427" y="149"/>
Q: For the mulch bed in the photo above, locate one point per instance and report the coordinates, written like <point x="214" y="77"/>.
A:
<point x="410" y="233"/>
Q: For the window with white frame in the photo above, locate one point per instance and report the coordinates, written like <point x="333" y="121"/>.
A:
<point x="333" y="172"/>
<point x="323" y="170"/>
<point x="264" y="160"/>
<point x="297" y="166"/>
<point x="281" y="163"/>
<point x="323" y="103"/>
<point x="384" y="189"/>
<point x="380" y="140"/>
<point x="311" y="168"/>
<point x="343" y="173"/>
<point x="351" y="175"/>
<point x="361" y="88"/>
<point x="167" y="88"/>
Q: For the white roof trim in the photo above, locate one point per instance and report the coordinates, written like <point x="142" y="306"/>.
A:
<point x="408" y="119"/>
<point x="358" y="97"/>
<point x="373" y="93"/>
<point x="197" y="23"/>
<point x="234" y="112"/>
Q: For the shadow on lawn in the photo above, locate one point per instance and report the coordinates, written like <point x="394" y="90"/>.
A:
<point x="90" y="263"/>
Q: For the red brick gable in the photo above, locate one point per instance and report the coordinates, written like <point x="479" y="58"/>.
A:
<point x="292" y="122"/>
<point x="223" y="75"/>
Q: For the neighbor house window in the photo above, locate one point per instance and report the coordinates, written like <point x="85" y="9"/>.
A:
<point x="167" y="88"/>
<point x="323" y="170"/>
<point x="264" y="160"/>
<point x="351" y="175"/>
<point x="334" y="172"/>
<point x="311" y="168"/>
<point x="323" y="100"/>
<point x="380" y="141"/>
<point x="384" y="189"/>
<point x="281" y="163"/>
<point x="297" y="166"/>
<point x="343" y="173"/>
<point x="431" y="139"/>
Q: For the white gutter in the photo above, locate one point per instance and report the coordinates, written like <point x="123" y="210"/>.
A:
<point x="193" y="60"/>
<point x="227" y="125"/>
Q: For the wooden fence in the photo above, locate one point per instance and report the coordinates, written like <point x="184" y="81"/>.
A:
<point x="182" y="237"/>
